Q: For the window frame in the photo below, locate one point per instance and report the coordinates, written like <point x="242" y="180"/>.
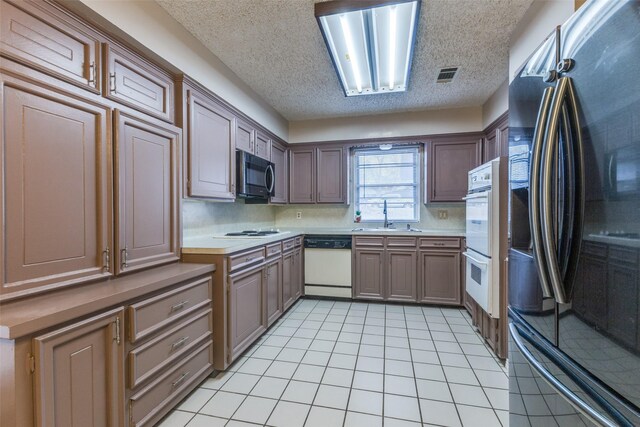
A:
<point x="417" y="183"/>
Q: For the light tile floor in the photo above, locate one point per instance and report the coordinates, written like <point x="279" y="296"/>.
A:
<point x="335" y="363"/>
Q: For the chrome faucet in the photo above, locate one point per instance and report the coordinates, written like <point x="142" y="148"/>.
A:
<point x="384" y="211"/>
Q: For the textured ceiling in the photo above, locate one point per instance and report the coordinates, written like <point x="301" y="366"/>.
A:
<point x="276" y="47"/>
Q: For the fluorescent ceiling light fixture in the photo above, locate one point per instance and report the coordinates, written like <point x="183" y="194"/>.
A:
<point x="370" y="42"/>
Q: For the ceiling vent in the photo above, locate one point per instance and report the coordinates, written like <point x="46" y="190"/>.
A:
<point x="446" y="74"/>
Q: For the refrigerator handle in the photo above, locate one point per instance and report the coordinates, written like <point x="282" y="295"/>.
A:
<point x="534" y="192"/>
<point x="564" y="101"/>
<point x="577" y="188"/>
<point x="576" y="401"/>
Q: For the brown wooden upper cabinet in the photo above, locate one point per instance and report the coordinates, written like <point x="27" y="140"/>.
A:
<point x="302" y="167"/>
<point x="147" y="192"/>
<point x="79" y="373"/>
<point x="331" y="175"/>
<point x="318" y="175"/>
<point x="41" y="35"/>
<point x="58" y="197"/>
<point x="133" y="81"/>
<point x="448" y="163"/>
<point x="281" y="166"/>
<point x="263" y="146"/>
<point x="210" y="148"/>
<point x="496" y="139"/>
<point x="251" y="140"/>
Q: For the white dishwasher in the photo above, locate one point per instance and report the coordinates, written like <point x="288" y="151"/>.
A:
<point x="327" y="266"/>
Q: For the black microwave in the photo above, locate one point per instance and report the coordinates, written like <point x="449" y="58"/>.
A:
<point x="255" y="177"/>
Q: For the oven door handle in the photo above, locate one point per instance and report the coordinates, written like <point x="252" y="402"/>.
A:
<point x="476" y="260"/>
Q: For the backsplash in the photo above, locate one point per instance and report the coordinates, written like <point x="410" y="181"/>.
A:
<point x="203" y="217"/>
<point x="342" y="217"/>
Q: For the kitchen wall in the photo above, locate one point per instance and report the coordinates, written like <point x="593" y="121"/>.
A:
<point x="318" y="216"/>
<point x="204" y="217"/>
<point x="496" y="105"/>
<point x="387" y="125"/>
<point x="150" y="25"/>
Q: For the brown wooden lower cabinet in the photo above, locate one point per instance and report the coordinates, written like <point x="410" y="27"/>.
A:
<point x="248" y="318"/>
<point x="440" y="277"/>
<point x="401" y="275"/>
<point x="287" y="280"/>
<point x="274" y="290"/>
<point x="369" y="273"/>
<point x="79" y="377"/>
<point x="397" y="269"/>
<point x="256" y="286"/>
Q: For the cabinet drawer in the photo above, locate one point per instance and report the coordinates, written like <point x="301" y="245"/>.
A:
<point x="377" y="241"/>
<point x="151" y="400"/>
<point x="133" y="81"/>
<point x="37" y="34"/>
<point x="153" y="314"/>
<point x="401" y="242"/>
<point x="288" y="244"/>
<point x="440" y="242"/>
<point x="150" y="358"/>
<point x="622" y="254"/>
<point x="274" y="249"/>
<point x="298" y="241"/>
<point x="245" y="259"/>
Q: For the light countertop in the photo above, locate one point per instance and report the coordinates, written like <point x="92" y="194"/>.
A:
<point x="218" y="245"/>
<point x="611" y="240"/>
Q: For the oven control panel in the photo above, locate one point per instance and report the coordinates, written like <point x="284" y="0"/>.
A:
<point x="480" y="178"/>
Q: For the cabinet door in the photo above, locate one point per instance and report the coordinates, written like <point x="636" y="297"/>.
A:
<point x="274" y="291"/>
<point x="301" y="176"/>
<point x="287" y="283"/>
<point x="245" y="136"/>
<point x="331" y="176"/>
<point x="402" y="272"/>
<point x="135" y="82"/>
<point x="503" y="139"/>
<point x="47" y="39"/>
<point x="147" y="192"/>
<point x="297" y="279"/>
<point x="79" y="378"/>
<point x="57" y="190"/>
<point x="491" y="146"/>
<point x="280" y="165"/>
<point x="440" y="277"/>
<point x="263" y="146"/>
<point x="369" y="273"/>
<point x="211" y="149"/>
<point x="247" y="316"/>
<point x="448" y="166"/>
<point x="622" y="302"/>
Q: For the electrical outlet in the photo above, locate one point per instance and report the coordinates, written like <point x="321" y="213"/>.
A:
<point x="298" y="215"/>
<point x="443" y="214"/>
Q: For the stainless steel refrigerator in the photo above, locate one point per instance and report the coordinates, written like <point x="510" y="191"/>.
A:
<point x="574" y="172"/>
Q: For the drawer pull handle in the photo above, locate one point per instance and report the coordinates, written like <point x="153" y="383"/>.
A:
<point x="438" y="244"/>
<point x="182" y="341"/>
<point x="178" y="306"/>
<point x="249" y="259"/>
<point x="112" y="83"/>
<point x="179" y="381"/>
<point x="92" y="73"/>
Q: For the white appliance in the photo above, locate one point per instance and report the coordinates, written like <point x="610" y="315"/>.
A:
<point x="327" y="265"/>
<point x="485" y="210"/>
